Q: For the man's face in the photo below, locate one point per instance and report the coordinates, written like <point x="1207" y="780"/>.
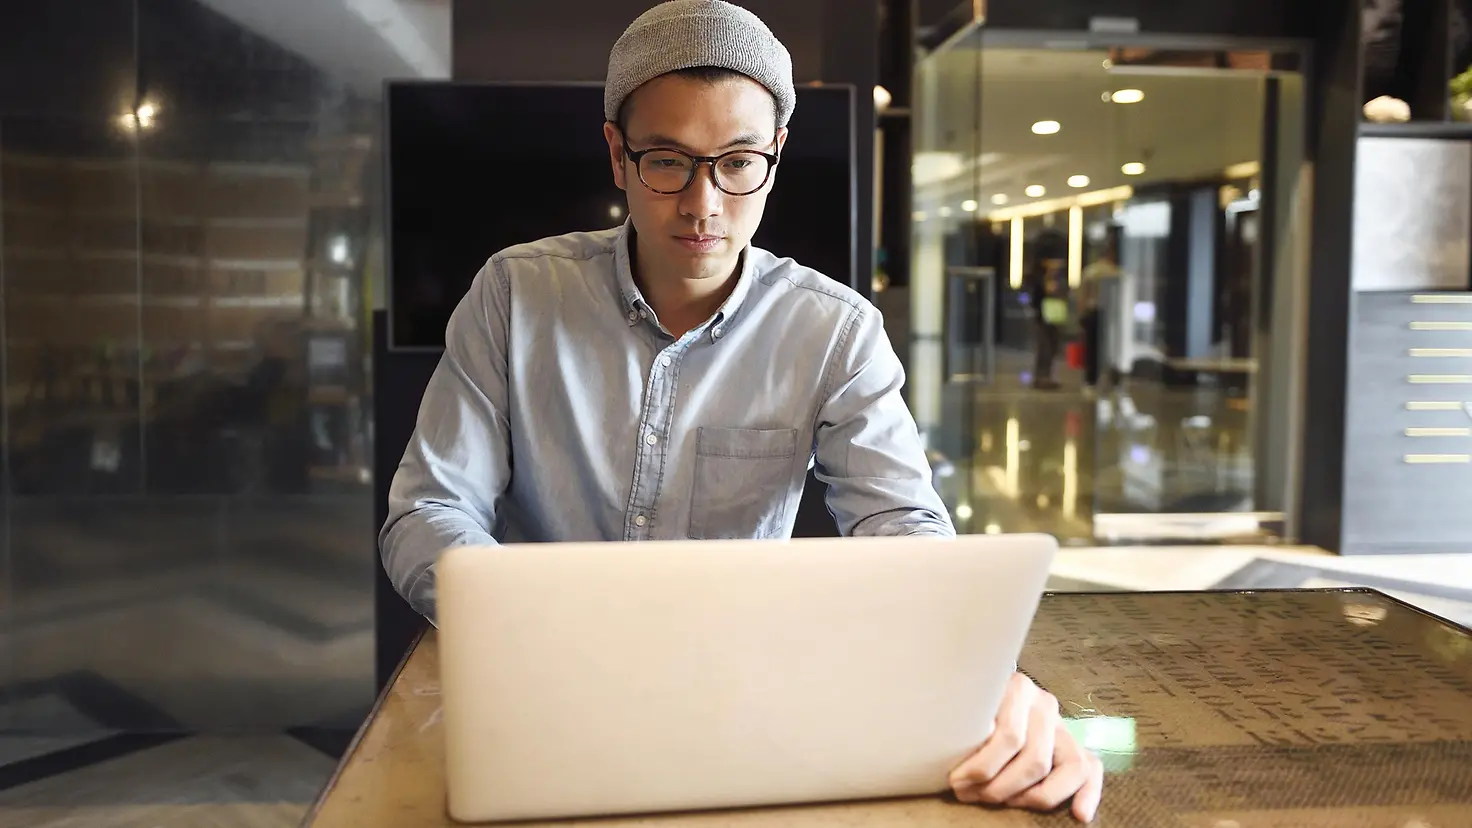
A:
<point x="700" y="231"/>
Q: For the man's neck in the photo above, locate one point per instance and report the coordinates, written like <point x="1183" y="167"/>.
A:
<point x="682" y="303"/>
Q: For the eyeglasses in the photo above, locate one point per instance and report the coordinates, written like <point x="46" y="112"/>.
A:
<point x="669" y="171"/>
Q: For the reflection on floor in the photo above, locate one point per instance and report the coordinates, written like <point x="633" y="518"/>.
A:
<point x="222" y="781"/>
<point x="1023" y="460"/>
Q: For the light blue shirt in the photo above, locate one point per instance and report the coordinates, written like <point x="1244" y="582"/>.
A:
<point x="562" y="410"/>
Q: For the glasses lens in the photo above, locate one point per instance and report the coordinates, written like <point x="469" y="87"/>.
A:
<point x="742" y="172"/>
<point x="665" y="171"/>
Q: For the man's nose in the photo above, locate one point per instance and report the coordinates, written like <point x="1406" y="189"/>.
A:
<point x="702" y="199"/>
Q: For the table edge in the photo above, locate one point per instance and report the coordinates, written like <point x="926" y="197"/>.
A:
<point x="347" y="756"/>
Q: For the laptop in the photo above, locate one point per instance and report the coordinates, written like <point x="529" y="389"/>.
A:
<point x="603" y="679"/>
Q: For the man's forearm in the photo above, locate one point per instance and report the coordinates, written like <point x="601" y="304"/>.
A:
<point x="413" y="542"/>
<point x="899" y="522"/>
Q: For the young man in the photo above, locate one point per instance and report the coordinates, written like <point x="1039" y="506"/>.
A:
<point x="666" y="379"/>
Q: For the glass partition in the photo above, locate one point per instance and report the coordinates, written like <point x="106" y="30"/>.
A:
<point x="1090" y="283"/>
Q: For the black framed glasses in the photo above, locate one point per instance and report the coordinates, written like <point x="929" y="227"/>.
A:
<point x="669" y="171"/>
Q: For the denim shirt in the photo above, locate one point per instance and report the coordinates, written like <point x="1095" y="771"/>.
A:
<point x="562" y="410"/>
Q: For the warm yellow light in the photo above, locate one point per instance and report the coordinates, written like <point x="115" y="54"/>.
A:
<point x="1092" y="198"/>
<point x="999" y="199"/>
<point x="1046" y="128"/>
<point x="1036" y="191"/>
<point x="1133" y="168"/>
<point x="969" y="205"/>
<point x="1127" y="96"/>
<point x="1014" y="276"/>
<point x="1078" y="181"/>
<point x="1075" y="246"/>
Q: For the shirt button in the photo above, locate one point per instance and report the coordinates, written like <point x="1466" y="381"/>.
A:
<point x="633" y="316"/>
<point x="640" y="520"/>
<point x="666" y="362"/>
<point x="651" y="439"/>
<point x="716" y="333"/>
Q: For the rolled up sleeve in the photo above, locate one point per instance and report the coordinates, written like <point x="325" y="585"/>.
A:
<point x="457" y="466"/>
<point x="869" y="450"/>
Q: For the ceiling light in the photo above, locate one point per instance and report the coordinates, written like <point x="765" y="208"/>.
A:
<point x="968" y="205"/>
<point x="1127" y="96"/>
<point x="1046" y="127"/>
<point x="919" y="215"/>
<point x="1078" y="181"/>
<point x="1133" y="168"/>
<point x="999" y="199"/>
<point x="1036" y="191"/>
<point x="945" y="212"/>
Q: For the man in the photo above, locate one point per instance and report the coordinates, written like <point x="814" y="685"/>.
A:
<point x="1049" y="291"/>
<point x="666" y="379"/>
<point x="1091" y="288"/>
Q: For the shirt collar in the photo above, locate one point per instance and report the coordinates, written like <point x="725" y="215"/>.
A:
<point x="636" y="309"/>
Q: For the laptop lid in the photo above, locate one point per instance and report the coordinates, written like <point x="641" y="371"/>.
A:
<point x="615" y="678"/>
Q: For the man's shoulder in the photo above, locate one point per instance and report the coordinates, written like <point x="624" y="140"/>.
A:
<point x="784" y="275"/>
<point x="586" y="246"/>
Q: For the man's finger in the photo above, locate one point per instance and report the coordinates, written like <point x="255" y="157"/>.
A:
<point x="1034" y="762"/>
<point x="1076" y="773"/>
<point x="1086" y="801"/>
<point x="1008" y="737"/>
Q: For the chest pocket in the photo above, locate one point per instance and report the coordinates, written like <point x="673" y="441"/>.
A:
<point x="743" y="482"/>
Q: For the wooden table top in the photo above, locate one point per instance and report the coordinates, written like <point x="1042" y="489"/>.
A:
<point x="1299" y="708"/>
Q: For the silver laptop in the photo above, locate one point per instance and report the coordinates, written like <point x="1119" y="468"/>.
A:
<point x="601" y="679"/>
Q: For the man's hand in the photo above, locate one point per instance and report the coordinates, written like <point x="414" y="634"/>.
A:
<point x="1030" y="760"/>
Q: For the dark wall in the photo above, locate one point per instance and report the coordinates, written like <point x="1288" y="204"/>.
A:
<point x="569" y="40"/>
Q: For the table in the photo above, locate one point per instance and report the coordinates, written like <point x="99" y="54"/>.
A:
<point x="1269" y="709"/>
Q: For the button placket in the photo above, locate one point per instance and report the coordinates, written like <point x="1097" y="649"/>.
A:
<point x="659" y="389"/>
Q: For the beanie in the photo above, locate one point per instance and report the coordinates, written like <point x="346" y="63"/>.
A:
<point x="684" y="34"/>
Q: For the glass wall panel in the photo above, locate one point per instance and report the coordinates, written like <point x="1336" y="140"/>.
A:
<point x="1087" y="272"/>
<point x="188" y="266"/>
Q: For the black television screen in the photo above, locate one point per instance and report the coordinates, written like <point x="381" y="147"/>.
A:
<point x="477" y="167"/>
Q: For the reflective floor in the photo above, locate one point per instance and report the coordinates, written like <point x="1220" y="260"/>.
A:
<point x="1080" y="463"/>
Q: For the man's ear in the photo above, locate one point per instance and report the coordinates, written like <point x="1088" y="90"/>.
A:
<point x="615" y="138"/>
<point x="781" y="139"/>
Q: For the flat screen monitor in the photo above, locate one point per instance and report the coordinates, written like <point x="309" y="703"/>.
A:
<point x="474" y="168"/>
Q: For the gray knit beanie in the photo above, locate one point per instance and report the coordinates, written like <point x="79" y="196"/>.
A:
<point x="683" y="34"/>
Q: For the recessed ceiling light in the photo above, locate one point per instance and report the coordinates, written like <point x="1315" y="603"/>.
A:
<point x="945" y="212"/>
<point x="1127" y="96"/>
<point x="968" y="205"/>
<point x="1078" y="181"/>
<point x="1036" y="191"/>
<point x="1133" y="168"/>
<point x="1046" y="127"/>
<point x="999" y="199"/>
